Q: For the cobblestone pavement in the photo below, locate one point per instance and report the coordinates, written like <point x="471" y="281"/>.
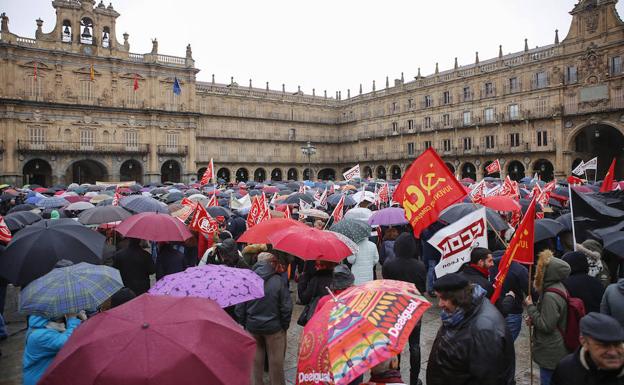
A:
<point x="12" y="348"/>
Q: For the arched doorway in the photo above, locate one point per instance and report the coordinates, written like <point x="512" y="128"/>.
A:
<point x="200" y="173"/>
<point x="492" y="175"/>
<point x="469" y="171"/>
<point x="544" y="169"/>
<point x="381" y="172"/>
<point x="293" y="174"/>
<point x="276" y="175"/>
<point x="242" y="175"/>
<point x="307" y="174"/>
<point x="367" y="172"/>
<point x="515" y="170"/>
<point x="86" y="171"/>
<point x="327" y="174"/>
<point x="170" y="171"/>
<point x="223" y="173"/>
<point x="395" y="171"/>
<point x="131" y="170"/>
<point x="450" y="167"/>
<point x="260" y="175"/>
<point x="604" y="142"/>
<point x="37" y="171"/>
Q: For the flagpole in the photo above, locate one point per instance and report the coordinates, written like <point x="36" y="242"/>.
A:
<point x="489" y="224"/>
<point x="572" y="216"/>
<point x="530" y="327"/>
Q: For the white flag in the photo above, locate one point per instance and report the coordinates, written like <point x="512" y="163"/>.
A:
<point x="591" y="164"/>
<point x="353" y="172"/>
<point x="580" y="169"/>
<point x="456" y="241"/>
<point x="303" y="205"/>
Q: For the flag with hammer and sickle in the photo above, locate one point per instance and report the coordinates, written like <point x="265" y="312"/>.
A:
<point x="427" y="188"/>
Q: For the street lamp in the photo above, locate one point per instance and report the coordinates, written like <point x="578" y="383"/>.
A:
<point x="309" y="150"/>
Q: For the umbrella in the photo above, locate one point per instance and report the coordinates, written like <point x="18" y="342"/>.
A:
<point x="614" y="242"/>
<point x="294" y="198"/>
<point x="566" y="221"/>
<point x="364" y="196"/>
<point x="390" y="216"/>
<point x="260" y="232"/>
<point x="501" y="203"/>
<point x="22" y="207"/>
<point x="199" y="198"/>
<point x="173" y="196"/>
<point x="335" y="198"/>
<point x="154" y="227"/>
<point x="314" y="213"/>
<point x="353" y="229"/>
<point x="143" y="204"/>
<point x="70" y="289"/>
<point x="79" y="206"/>
<point x="218" y="211"/>
<point x="547" y="228"/>
<point x="99" y="198"/>
<point x="270" y="189"/>
<point x="358" y="330"/>
<point x="359" y="213"/>
<point x="35" y="250"/>
<point x="52" y="202"/>
<point x="457" y="211"/>
<point x="310" y="244"/>
<point x="156" y="340"/>
<point x="19" y="220"/>
<point x="225" y="285"/>
<point x="103" y="214"/>
<point x="347" y="241"/>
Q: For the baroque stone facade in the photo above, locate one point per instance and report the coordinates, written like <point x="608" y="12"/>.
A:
<point x="78" y="105"/>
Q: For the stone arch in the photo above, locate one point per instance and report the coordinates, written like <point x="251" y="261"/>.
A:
<point x="307" y="174"/>
<point x="170" y="171"/>
<point x="86" y="171"/>
<point x="66" y="31"/>
<point x="380" y="172"/>
<point x="395" y="172"/>
<point x="469" y="170"/>
<point x="327" y="174"/>
<point x="276" y="175"/>
<point x="367" y="172"/>
<point x="260" y="175"/>
<point x="131" y="170"/>
<point x="450" y="167"/>
<point x="37" y="171"/>
<point x="601" y="139"/>
<point x="242" y="175"/>
<point x="515" y="170"/>
<point x="544" y="169"/>
<point x="223" y="173"/>
<point x="292" y="174"/>
<point x="485" y="173"/>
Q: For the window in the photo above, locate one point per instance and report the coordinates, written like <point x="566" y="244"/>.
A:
<point x="427" y="144"/>
<point x="172" y="141"/>
<point x="36" y="136"/>
<point x="34" y="90"/>
<point x="394" y="107"/>
<point x="514" y="85"/>
<point x="489" y="142"/>
<point x="571" y="76"/>
<point x="447" y="97"/>
<point x="131" y="94"/>
<point x="447" y="145"/>
<point x="428" y="101"/>
<point x="410" y="103"/>
<point x="87" y="139"/>
<point x="467" y="93"/>
<point x="131" y="139"/>
<point x="395" y="127"/>
<point x="446" y="120"/>
<point x="514" y="139"/>
<point x="488" y="114"/>
<point x="86" y="91"/>
<point x="410" y="149"/>
<point x="542" y="138"/>
<point x="514" y="112"/>
<point x="541" y="80"/>
<point x="427" y="122"/>
<point x="291" y="134"/>
<point x="410" y="125"/>
<point x="467" y="144"/>
<point x="467" y="118"/>
<point x="489" y="89"/>
<point x="615" y="65"/>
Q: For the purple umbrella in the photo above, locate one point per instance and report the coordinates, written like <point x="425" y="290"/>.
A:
<point x="225" y="285"/>
<point x="387" y="217"/>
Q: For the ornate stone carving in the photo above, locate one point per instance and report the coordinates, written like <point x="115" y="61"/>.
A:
<point x="591" y="21"/>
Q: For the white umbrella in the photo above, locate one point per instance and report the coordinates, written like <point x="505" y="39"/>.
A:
<point x="359" y="213"/>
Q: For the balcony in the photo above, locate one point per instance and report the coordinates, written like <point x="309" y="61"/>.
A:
<point x="61" y="147"/>
<point x="172" y="150"/>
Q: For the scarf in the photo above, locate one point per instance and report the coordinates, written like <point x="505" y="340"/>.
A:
<point x="453" y="319"/>
<point x="485" y="272"/>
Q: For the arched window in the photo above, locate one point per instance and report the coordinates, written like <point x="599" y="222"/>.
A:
<point x="86" y="26"/>
<point x="106" y="37"/>
<point x="66" y="32"/>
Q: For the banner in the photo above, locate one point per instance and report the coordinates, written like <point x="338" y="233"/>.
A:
<point x="456" y="241"/>
<point x="208" y="174"/>
<point x="258" y="212"/>
<point x="353" y="172"/>
<point x="607" y="183"/>
<point x="493" y="167"/>
<point x="478" y="192"/>
<point x="203" y="222"/>
<point x="591" y="164"/>
<point x="5" y="233"/>
<point x="384" y="193"/>
<point x="213" y="202"/>
<point x="580" y="169"/>
<point x="303" y="205"/>
<point x="116" y="199"/>
<point x="322" y="200"/>
<point x="238" y="204"/>
<point x="337" y="214"/>
<point x="427" y="188"/>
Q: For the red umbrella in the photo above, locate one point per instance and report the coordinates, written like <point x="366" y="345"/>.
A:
<point x="583" y="189"/>
<point x="75" y="198"/>
<point x="270" y="190"/>
<point x="154" y="227"/>
<point x="260" y="232"/>
<point x="156" y="340"/>
<point x="310" y="244"/>
<point x="574" y="180"/>
<point x="501" y="203"/>
<point x="40" y="189"/>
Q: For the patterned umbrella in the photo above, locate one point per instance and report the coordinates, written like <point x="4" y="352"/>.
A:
<point x="52" y="202"/>
<point x="353" y="229"/>
<point x="225" y="285"/>
<point x="364" y="326"/>
<point x="69" y="290"/>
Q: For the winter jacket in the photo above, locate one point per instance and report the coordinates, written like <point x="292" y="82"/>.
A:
<point x="272" y="313"/>
<point x="250" y="253"/>
<point x="169" y="261"/>
<point x="313" y="285"/>
<point x="578" y="369"/>
<point x="386" y="251"/>
<point x="517" y="281"/>
<point x="42" y="345"/>
<point x="135" y="266"/>
<point x="406" y="267"/>
<point x="475" y="276"/>
<point x="597" y="267"/>
<point x="478" y="351"/>
<point x="580" y="284"/>
<point x="550" y="314"/>
<point x="613" y="301"/>
<point x="364" y="261"/>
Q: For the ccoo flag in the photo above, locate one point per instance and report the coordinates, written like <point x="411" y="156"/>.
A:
<point x="427" y="188"/>
<point x="208" y="174"/>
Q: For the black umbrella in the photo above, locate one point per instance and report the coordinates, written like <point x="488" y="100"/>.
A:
<point x="614" y="243"/>
<point x="457" y="211"/>
<point x="18" y="220"/>
<point x="216" y="211"/>
<point x="294" y="198"/>
<point x="158" y="191"/>
<point x="253" y="193"/>
<point x="36" y="249"/>
<point x="566" y="221"/>
<point x="547" y="228"/>
<point x="173" y="197"/>
<point x="22" y="207"/>
<point x="293" y="185"/>
<point x="335" y="198"/>
<point x="143" y="204"/>
<point x="103" y="214"/>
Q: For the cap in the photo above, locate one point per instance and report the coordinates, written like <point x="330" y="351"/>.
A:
<point x="450" y="282"/>
<point x="602" y="327"/>
<point x="342" y="278"/>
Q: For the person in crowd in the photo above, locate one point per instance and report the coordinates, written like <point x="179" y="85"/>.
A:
<point x="251" y="252"/>
<point x="342" y="279"/>
<point x="580" y="284"/>
<point x="312" y="283"/>
<point x="120" y="297"/>
<point x="431" y="255"/>
<point x="549" y="315"/>
<point x="613" y="301"/>
<point x="319" y="224"/>
<point x="268" y="319"/>
<point x="236" y="225"/>
<point x="473" y="345"/>
<point x="477" y="271"/>
<point x="363" y="263"/>
<point x="44" y="339"/>
<point x="386" y="251"/>
<point x="596" y="266"/>
<point x="387" y="372"/>
<point x="169" y="260"/>
<point x="515" y="287"/>
<point x="407" y="267"/>
<point x="225" y="253"/>
<point x="599" y="359"/>
<point x="135" y="266"/>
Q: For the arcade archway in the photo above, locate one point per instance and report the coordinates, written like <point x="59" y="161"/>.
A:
<point x="327" y="174"/>
<point x="131" y="170"/>
<point x="381" y="172"/>
<point x="86" y="171"/>
<point x="600" y="141"/>
<point x="276" y="175"/>
<point x="223" y="173"/>
<point x="242" y="175"/>
<point x="37" y="171"/>
<point x="292" y="174"/>
<point x="260" y="175"/>
<point x="469" y="170"/>
<point x="395" y="172"/>
<point x="515" y="170"/>
<point x="170" y="172"/>
<point x="544" y="169"/>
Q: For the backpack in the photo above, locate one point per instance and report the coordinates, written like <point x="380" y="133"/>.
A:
<point x="308" y="312"/>
<point x="576" y="311"/>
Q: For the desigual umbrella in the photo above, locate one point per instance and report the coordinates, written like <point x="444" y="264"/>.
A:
<point x="154" y="227"/>
<point x="156" y="340"/>
<point x="364" y="326"/>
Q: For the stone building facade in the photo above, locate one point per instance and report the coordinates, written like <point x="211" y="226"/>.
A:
<point x="77" y="105"/>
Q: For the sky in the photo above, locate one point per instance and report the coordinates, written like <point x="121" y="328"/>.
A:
<point x="323" y="44"/>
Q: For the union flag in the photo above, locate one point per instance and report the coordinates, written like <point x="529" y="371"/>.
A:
<point x="203" y="222"/>
<point x="258" y="212"/>
<point x="427" y="188"/>
<point x="337" y="214"/>
<point x="5" y="233"/>
<point x="493" y="167"/>
<point x="208" y="174"/>
<point x="213" y="201"/>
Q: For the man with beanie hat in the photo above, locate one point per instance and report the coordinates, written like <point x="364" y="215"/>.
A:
<point x="599" y="359"/>
<point x="580" y="284"/>
<point x="473" y="345"/>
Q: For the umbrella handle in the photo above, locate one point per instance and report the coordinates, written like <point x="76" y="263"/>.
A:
<point x="332" y="294"/>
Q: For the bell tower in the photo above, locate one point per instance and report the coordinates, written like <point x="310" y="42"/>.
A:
<point x="595" y="20"/>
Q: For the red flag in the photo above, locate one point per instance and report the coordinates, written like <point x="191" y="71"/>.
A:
<point x="213" y="201"/>
<point x="607" y="183"/>
<point x="509" y="188"/>
<point x="116" y="198"/>
<point x="287" y="212"/>
<point x="493" y="167"/>
<point x="203" y="222"/>
<point x="258" y="211"/>
<point x="208" y="174"/>
<point x="384" y="193"/>
<point x="5" y="233"/>
<point x="337" y="213"/>
<point x="574" y="180"/>
<point x="302" y="189"/>
<point x="135" y="86"/>
<point x="520" y="249"/>
<point x="478" y="192"/>
<point x="427" y="188"/>
<point x="187" y="202"/>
